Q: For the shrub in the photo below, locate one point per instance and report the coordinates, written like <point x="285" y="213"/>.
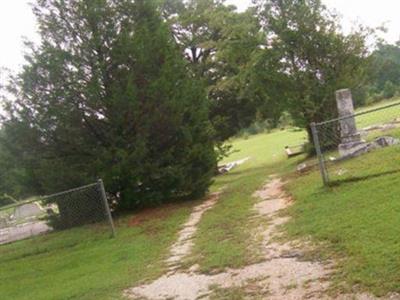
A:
<point x="389" y="90"/>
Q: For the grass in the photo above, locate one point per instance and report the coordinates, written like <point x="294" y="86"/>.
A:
<point x="235" y="293"/>
<point x="357" y="221"/>
<point x="255" y="289"/>
<point x="378" y="117"/>
<point x="224" y="237"/>
<point x="84" y="263"/>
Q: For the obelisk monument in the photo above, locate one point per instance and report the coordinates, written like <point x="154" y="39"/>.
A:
<point x="350" y="139"/>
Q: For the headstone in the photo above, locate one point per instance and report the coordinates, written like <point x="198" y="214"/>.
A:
<point x="350" y="138"/>
<point x="302" y="167"/>
<point x="386" y="141"/>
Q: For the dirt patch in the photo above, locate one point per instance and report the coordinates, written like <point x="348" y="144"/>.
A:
<point x="272" y="190"/>
<point x="149" y="214"/>
<point x="281" y="275"/>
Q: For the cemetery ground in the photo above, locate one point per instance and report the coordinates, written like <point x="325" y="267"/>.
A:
<point x="356" y="223"/>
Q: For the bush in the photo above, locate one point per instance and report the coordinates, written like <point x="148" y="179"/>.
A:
<point x="389" y="90"/>
<point x="255" y="128"/>
<point x="360" y="96"/>
<point x="6" y="200"/>
<point x="285" y="120"/>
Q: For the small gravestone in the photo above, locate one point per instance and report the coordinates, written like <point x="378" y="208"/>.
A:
<point x="27" y="210"/>
<point x="386" y="141"/>
<point x="350" y="138"/>
<point x="303" y="167"/>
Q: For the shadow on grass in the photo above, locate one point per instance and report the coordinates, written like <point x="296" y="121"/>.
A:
<point x="335" y="183"/>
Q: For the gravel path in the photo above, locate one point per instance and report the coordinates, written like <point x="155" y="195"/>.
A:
<point x="281" y="275"/>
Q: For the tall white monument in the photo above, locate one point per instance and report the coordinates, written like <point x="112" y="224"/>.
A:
<point x="351" y="141"/>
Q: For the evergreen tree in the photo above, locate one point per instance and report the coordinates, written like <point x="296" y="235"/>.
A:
<point x="107" y="95"/>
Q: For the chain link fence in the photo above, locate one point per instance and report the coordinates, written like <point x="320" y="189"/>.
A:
<point x="344" y="145"/>
<point x="73" y="208"/>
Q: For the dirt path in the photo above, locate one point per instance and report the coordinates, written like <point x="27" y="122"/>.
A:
<point x="184" y="244"/>
<point x="281" y="275"/>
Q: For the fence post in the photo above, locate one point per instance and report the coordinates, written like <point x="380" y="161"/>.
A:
<point x="104" y="196"/>
<point x="322" y="167"/>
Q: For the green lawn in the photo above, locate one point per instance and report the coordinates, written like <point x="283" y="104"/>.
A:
<point x="357" y="221"/>
<point x="380" y="116"/>
<point x="224" y="234"/>
<point x="85" y="263"/>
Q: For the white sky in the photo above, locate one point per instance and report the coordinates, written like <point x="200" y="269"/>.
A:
<point x="17" y="21"/>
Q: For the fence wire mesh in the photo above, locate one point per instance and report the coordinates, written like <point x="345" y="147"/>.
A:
<point x="359" y="146"/>
<point x="86" y="205"/>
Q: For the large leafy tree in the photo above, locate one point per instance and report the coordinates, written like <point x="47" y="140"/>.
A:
<point x="234" y="103"/>
<point x="385" y="71"/>
<point x="217" y="42"/>
<point x="311" y="57"/>
<point x="107" y="95"/>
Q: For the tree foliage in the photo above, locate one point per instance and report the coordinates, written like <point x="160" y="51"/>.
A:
<point x="142" y="93"/>
<point x="311" y="57"/>
<point x="385" y="70"/>
<point x="107" y="95"/>
<point x="218" y="43"/>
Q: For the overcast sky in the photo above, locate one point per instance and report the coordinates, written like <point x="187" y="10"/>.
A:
<point x="17" y="21"/>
